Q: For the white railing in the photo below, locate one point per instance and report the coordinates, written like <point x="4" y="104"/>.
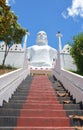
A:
<point x="71" y="81"/>
<point x="9" y="82"/>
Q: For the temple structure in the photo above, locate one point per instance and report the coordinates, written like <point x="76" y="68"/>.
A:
<point x="41" y="55"/>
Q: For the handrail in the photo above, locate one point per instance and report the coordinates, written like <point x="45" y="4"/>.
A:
<point x="71" y="81"/>
<point x="75" y="79"/>
<point x="9" y="82"/>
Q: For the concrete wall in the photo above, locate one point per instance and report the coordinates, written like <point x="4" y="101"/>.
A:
<point x="14" y="58"/>
<point x="68" y="62"/>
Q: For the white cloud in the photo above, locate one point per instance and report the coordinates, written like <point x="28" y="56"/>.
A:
<point x="8" y="2"/>
<point x="65" y="15"/>
<point x="76" y="9"/>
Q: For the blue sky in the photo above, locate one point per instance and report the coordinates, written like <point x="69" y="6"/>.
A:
<point x="51" y="16"/>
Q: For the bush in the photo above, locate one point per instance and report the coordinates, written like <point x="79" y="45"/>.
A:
<point x="7" y="67"/>
<point x="76" y="51"/>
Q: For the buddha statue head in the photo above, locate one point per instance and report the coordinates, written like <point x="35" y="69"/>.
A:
<point x="41" y="38"/>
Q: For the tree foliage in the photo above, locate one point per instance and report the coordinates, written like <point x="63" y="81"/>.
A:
<point x="77" y="51"/>
<point x="10" y="30"/>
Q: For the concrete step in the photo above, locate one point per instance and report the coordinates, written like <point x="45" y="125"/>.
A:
<point x="37" y="128"/>
<point x="32" y="113"/>
<point x="43" y="121"/>
<point x="8" y="121"/>
<point x="43" y="106"/>
<point x="9" y="112"/>
<point x="19" y="97"/>
<point x="42" y="113"/>
<point x="17" y="112"/>
<point x="22" y="88"/>
<point x="74" y="112"/>
<point x="42" y="103"/>
<point x="42" y="99"/>
<point x="39" y="121"/>
<point x="33" y="96"/>
<point x="41" y="91"/>
<point x="71" y="106"/>
<point x="16" y="101"/>
<point x="57" y="89"/>
<point x="41" y="109"/>
<point x="34" y="101"/>
<point x="21" y="91"/>
<point x="13" y="105"/>
<point x="41" y="94"/>
<point x="35" y="121"/>
<point x="63" y="101"/>
<point x="33" y="105"/>
<point x="64" y="98"/>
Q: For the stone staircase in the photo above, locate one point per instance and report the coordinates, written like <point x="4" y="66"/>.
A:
<point x="10" y="111"/>
<point x="40" y="103"/>
<point x="73" y="110"/>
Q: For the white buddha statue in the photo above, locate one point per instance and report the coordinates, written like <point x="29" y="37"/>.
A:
<point x="41" y="55"/>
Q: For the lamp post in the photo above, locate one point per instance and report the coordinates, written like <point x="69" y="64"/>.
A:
<point x="59" y="35"/>
<point x="24" y="46"/>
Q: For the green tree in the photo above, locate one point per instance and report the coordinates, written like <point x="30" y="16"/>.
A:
<point x="77" y="51"/>
<point x="10" y="30"/>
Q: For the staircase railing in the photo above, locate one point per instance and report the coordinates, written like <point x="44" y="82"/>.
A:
<point x="71" y="81"/>
<point x="9" y="82"/>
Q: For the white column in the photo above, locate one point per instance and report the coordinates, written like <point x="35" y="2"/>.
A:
<point x="59" y="35"/>
<point x="24" y="46"/>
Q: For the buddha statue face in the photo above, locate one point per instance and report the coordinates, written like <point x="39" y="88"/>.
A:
<point x="41" y="38"/>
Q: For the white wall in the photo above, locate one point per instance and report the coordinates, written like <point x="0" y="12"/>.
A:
<point x="15" y="55"/>
<point x="14" y="58"/>
<point x="68" y="62"/>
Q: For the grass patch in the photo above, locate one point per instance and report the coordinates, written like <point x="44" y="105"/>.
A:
<point x="76" y="72"/>
<point x="6" y="69"/>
